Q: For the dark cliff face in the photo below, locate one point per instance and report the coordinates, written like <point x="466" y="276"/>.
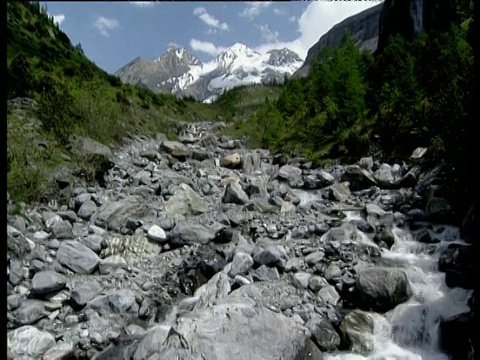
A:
<point x="363" y="27"/>
<point x="411" y="17"/>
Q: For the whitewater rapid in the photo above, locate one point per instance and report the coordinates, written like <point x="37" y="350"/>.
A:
<point x="410" y="330"/>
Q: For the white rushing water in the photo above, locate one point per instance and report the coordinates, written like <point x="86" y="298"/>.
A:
<point x="410" y="331"/>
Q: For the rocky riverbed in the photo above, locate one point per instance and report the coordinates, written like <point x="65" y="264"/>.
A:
<point x="204" y="249"/>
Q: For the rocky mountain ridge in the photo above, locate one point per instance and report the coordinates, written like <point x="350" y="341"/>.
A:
<point x="364" y="28"/>
<point x="178" y="72"/>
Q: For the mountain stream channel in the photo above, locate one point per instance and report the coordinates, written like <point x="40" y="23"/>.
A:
<point x="202" y="248"/>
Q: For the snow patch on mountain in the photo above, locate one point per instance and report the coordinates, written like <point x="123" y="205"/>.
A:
<point x="180" y="73"/>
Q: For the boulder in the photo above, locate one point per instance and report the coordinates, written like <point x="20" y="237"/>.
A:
<point x="357" y="328"/>
<point x="358" y="178"/>
<point x="231" y="161"/>
<point x="185" y="201"/>
<point x="29" y="342"/>
<point x="77" y="257"/>
<point x="231" y="329"/>
<point x="381" y="289"/>
<point x="114" y="215"/>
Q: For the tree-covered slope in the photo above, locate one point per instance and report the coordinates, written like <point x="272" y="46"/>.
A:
<point x="411" y="94"/>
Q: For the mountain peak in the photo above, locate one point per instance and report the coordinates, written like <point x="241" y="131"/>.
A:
<point x="178" y="55"/>
<point x="179" y="72"/>
<point x="239" y="48"/>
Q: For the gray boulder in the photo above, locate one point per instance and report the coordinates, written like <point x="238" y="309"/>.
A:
<point x="29" y="342"/>
<point x="357" y="328"/>
<point x="97" y="155"/>
<point x="114" y="215"/>
<point x="231" y="329"/>
<point x="77" y="257"/>
<point x="188" y="233"/>
<point x="235" y="194"/>
<point x="381" y="289"/>
<point x="45" y="282"/>
<point x="185" y="201"/>
<point x="358" y="178"/>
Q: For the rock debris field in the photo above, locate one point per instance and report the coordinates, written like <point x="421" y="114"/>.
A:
<point x="201" y="248"/>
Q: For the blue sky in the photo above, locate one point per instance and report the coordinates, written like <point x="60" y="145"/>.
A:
<point x="114" y="33"/>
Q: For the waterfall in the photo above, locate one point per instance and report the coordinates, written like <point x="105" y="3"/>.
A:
<point x="416" y="13"/>
<point x="410" y="330"/>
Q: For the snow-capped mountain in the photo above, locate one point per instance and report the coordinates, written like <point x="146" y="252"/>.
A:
<point x="179" y="72"/>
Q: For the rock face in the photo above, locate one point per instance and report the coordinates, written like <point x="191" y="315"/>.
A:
<point x="409" y="18"/>
<point x="363" y="27"/>
<point x="254" y="256"/>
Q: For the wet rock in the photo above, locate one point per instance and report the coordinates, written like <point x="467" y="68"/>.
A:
<point x="388" y="176"/>
<point x="14" y="301"/>
<point x="381" y="289"/>
<point x="384" y="237"/>
<point x="323" y="333"/>
<point x="438" y="210"/>
<point x="457" y="261"/>
<point x="356" y="328"/>
<point x="338" y="191"/>
<point x="366" y="163"/>
<point x="455" y="336"/>
<point x="288" y="172"/>
<point x="425" y="236"/>
<point x="358" y="178"/>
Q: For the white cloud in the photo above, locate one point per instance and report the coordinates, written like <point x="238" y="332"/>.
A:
<point x="206" y="47"/>
<point x="315" y="21"/>
<point x="208" y="19"/>
<point x="278" y="11"/>
<point x="104" y="25"/>
<point x="143" y="4"/>
<point x="173" y="44"/>
<point x="253" y="9"/>
<point x="58" y="19"/>
<point x="267" y="34"/>
<point x="292" y="18"/>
